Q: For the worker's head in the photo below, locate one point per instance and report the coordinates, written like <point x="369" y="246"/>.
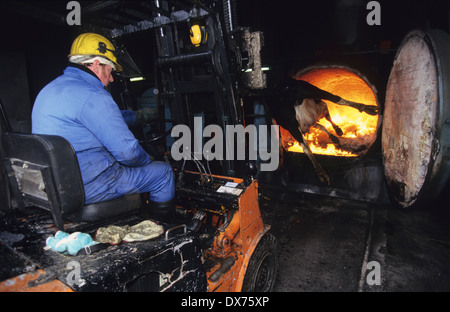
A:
<point x="96" y="53"/>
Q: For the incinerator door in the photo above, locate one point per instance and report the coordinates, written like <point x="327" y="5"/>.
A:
<point x="416" y="121"/>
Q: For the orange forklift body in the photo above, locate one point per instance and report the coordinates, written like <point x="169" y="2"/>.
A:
<point x="234" y="245"/>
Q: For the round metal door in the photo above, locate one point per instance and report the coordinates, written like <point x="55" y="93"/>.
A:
<point x="416" y="119"/>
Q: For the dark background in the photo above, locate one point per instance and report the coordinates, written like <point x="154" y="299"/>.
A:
<point x="297" y="33"/>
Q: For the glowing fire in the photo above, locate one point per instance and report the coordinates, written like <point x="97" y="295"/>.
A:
<point x="359" y="128"/>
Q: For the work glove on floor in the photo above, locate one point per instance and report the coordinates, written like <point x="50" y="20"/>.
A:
<point x="143" y="231"/>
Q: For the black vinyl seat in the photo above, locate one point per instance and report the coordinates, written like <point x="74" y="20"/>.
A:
<point x="43" y="171"/>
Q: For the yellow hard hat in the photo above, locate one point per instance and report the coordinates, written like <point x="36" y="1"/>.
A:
<point x="94" y="44"/>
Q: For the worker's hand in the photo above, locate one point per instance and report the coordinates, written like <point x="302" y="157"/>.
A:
<point x="145" y="115"/>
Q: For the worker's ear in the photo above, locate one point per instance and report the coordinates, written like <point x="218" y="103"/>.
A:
<point x="95" y="67"/>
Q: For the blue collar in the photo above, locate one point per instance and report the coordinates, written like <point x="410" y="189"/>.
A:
<point x="83" y="73"/>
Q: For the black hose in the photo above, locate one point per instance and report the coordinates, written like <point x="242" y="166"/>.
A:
<point x="185" y="59"/>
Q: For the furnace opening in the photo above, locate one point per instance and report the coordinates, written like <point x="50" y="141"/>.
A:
<point x="359" y="129"/>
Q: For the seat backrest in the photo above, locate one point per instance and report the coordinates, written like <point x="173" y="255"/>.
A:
<point x="44" y="172"/>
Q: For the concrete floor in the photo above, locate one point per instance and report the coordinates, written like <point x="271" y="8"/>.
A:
<point x="326" y="244"/>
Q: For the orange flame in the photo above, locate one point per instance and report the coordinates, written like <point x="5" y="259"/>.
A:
<point x="360" y="129"/>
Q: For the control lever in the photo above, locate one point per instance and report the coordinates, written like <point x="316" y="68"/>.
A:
<point x="196" y="221"/>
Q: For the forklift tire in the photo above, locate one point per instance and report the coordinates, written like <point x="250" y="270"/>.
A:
<point x="263" y="265"/>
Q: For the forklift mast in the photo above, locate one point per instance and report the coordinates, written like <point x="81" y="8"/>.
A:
<point x="201" y="55"/>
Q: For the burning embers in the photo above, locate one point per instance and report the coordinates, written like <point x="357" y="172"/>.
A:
<point x="359" y="129"/>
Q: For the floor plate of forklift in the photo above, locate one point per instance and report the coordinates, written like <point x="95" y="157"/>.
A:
<point x="331" y="245"/>
<point x="177" y="255"/>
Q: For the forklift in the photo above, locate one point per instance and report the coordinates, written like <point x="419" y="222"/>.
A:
<point x="218" y="242"/>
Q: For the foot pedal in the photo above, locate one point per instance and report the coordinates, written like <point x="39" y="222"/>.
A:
<point x="199" y="215"/>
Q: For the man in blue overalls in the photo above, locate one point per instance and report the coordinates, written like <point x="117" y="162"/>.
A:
<point x="77" y="107"/>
